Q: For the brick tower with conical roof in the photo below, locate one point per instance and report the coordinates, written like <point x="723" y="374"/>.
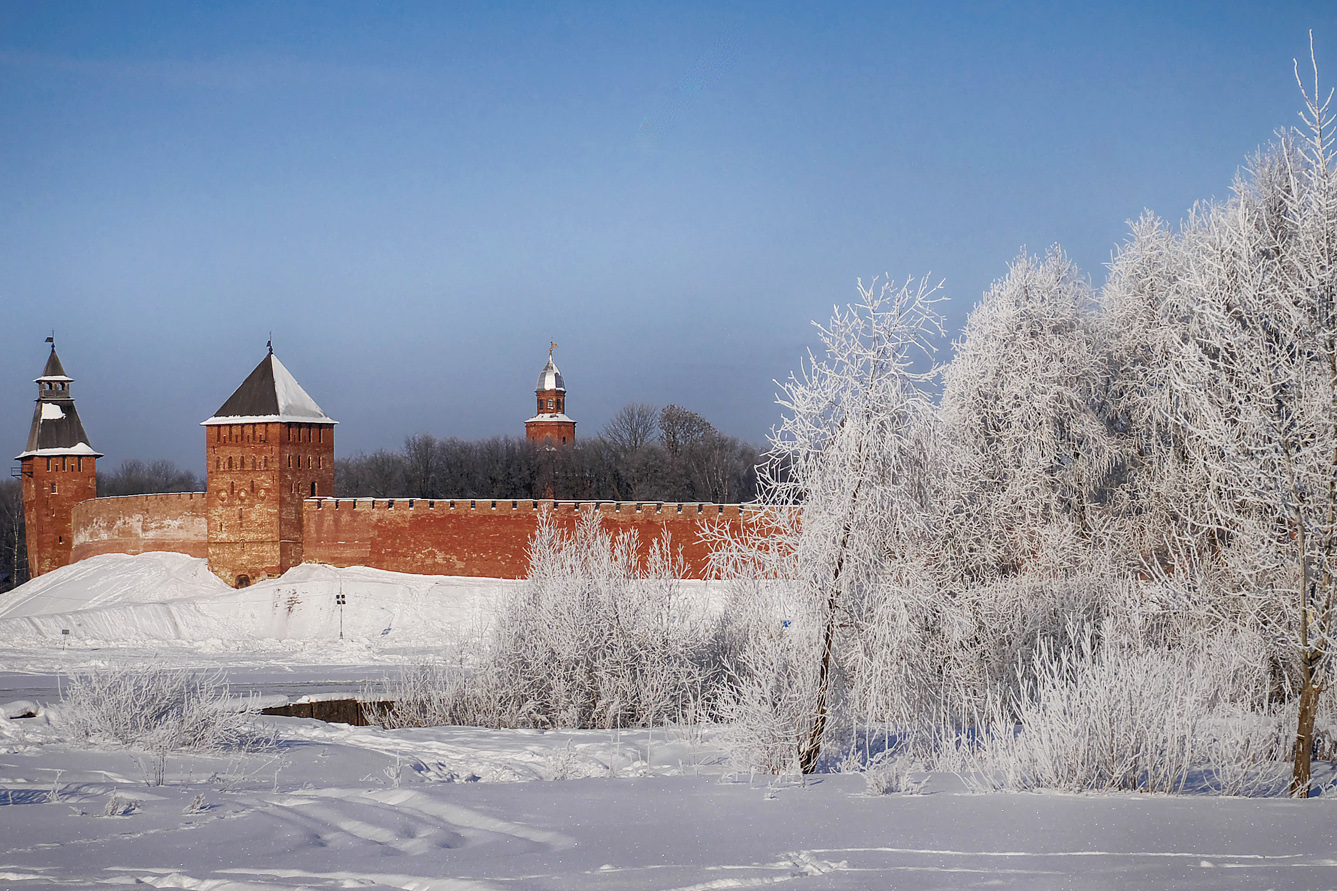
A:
<point x="551" y="424"/>
<point x="58" y="468"/>
<point x="268" y="448"/>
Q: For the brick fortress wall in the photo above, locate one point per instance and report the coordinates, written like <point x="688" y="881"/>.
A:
<point x="134" y="524"/>
<point x="485" y="538"/>
<point x="479" y="538"/>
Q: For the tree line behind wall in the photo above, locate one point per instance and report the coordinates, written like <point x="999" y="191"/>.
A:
<point x="645" y="453"/>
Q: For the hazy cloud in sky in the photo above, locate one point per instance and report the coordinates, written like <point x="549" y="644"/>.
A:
<point x="414" y="199"/>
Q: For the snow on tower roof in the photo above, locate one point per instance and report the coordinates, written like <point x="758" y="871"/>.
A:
<point x="56" y="429"/>
<point x="550" y="378"/>
<point x="269" y="393"/>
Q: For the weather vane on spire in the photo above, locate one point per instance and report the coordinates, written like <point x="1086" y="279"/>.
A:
<point x="270" y="343"/>
<point x="551" y="346"/>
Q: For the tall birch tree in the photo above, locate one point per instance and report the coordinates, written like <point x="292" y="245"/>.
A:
<point x="1255" y="384"/>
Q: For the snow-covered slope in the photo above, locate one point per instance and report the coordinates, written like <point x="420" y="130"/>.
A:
<point x="113" y="580"/>
<point x="174" y="598"/>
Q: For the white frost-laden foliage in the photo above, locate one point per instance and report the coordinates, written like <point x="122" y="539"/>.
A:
<point x="1023" y="400"/>
<point x="851" y="489"/>
<point x="158" y="709"/>
<point x="596" y="638"/>
<point x="1106" y="560"/>
<point x="1113" y="715"/>
<point x="1238" y="397"/>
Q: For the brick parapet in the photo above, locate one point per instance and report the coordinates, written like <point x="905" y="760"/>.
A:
<point x="466" y="537"/>
<point x="136" y="524"/>
<point x="487" y="537"/>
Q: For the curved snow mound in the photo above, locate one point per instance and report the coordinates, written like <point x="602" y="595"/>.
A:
<point x="165" y="597"/>
<point x="113" y="580"/>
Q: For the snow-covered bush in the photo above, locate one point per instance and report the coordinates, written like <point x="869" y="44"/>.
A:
<point x="437" y="695"/>
<point x="1113" y="714"/>
<point x="158" y="709"/>
<point x="596" y="638"/>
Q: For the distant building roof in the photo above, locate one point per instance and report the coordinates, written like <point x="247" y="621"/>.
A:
<point x="56" y="429"/>
<point x="550" y="378"/>
<point x="269" y="393"/>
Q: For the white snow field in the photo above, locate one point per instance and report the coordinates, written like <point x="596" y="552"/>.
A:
<point x="332" y="806"/>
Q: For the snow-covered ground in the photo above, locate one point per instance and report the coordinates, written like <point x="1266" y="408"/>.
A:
<point x="332" y="806"/>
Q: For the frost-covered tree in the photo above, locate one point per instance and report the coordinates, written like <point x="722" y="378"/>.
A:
<point x="1256" y="385"/>
<point x="853" y="449"/>
<point x="1023" y="399"/>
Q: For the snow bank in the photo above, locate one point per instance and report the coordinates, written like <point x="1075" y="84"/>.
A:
<point x="113" y="580"/>
<point x="165" y="597"/>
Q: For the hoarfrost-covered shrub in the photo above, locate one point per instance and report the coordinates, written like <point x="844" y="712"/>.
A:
<point x="596" y="638"/>
<point x="1105" y="716"/>
<point x="157" y="709"/>
<point x="437" y="695"/>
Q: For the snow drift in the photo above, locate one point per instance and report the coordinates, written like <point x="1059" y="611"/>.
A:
<point x="118" y="599"/>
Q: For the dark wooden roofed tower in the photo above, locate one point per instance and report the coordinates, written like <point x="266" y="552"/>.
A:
<point x="267" y="448"/>
<point x="551" y="423"/>
<point x="59" y="470"/>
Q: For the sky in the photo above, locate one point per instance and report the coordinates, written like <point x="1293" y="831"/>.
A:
<point x="413" y="200"/>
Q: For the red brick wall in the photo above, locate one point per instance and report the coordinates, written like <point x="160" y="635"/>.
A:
<point x="483" y="538"/>
<point x="52" y="486"/>
<point x="134" y="524"/>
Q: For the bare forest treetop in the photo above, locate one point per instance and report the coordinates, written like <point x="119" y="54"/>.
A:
<point x="643" y="454"/>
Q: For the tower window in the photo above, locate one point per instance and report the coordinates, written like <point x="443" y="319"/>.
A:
<point x="549" y="405"/>
<point x="80" y="459"/>
<point x="313" y="488"/>
<point x="48" y="465"/>
<point x="53" y="488"/>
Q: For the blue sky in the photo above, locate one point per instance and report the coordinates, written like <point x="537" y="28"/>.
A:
<point x="415" y="198"/>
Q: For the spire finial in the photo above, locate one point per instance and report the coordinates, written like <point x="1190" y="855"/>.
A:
<point x="52" y="340"/>
<point x="270" y="343"/>
<point x="551" y="346"/>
